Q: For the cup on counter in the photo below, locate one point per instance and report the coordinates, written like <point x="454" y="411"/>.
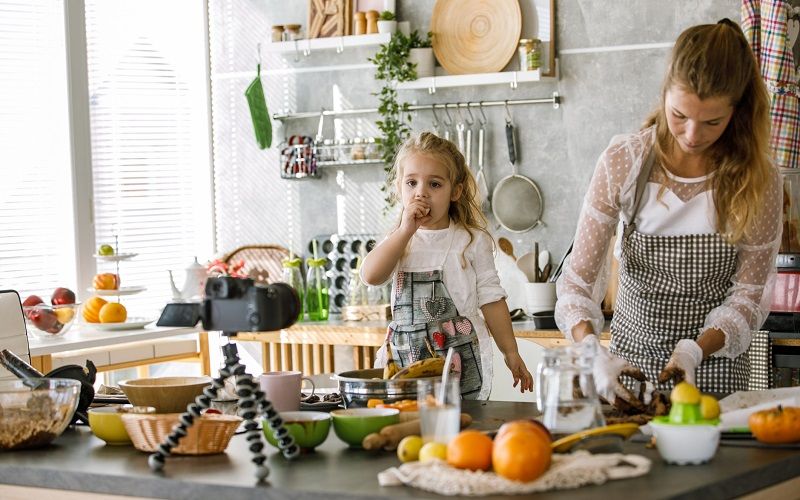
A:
<point x="439" y="411"/>
<point x="282" y="389"/>
<point x="539" y="297"/>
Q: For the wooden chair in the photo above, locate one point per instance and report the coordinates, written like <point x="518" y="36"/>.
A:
<point x="261" y="262"/>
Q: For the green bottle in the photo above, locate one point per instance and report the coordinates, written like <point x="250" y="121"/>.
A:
<point x="293" y="276"/>
<point x="317" y="290"/>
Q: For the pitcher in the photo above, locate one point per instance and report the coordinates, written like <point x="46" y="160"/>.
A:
<point x="565" y="390"/>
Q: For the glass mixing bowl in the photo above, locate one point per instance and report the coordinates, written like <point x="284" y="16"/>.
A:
<point x="35" y="411"/>
<point x="47" y="321"/>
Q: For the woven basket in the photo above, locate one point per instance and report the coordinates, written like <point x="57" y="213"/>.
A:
<point x="209" y="435"/>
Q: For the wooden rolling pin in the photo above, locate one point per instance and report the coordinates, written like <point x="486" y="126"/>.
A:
<point x="390" y="436"/>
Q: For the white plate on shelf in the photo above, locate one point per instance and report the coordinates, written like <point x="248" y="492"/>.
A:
<point x="116" y="257"/>
<point x="129" y="324"/>
<point x="124" y="290"/>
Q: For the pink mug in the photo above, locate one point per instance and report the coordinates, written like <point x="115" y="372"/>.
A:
<point x="282" y="389"/>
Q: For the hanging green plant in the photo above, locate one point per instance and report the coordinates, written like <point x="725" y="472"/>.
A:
<point x="392" y="66"/>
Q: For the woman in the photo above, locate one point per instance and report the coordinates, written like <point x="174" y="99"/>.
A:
<point x="700" y="204"/>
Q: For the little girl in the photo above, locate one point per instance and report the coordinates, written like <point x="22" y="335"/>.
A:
<point x="441" y="259"/>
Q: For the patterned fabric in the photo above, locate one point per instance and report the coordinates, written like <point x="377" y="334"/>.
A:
<point x="425" y="314"/>
<point x="668" y="284"/>
<point x="764" y="23"/>
<point x="760" y="362"/>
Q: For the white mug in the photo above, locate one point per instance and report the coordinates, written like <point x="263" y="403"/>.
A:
<point x="540" y="297"/>
<point x="282" y="389"/>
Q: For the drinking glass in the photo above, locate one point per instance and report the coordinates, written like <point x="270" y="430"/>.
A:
<point x="439" y="411"/>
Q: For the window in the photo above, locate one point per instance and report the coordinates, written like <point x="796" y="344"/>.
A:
<point x="36" y="216"/>
<point x="150" y="140"/>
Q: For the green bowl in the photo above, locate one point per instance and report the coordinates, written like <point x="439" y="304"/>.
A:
<point x="353" y="424"/>
<point x="308" y="428"/>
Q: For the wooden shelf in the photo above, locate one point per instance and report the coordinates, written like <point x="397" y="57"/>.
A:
<point x="512" y="78"/>
<point x="339" y="43"/>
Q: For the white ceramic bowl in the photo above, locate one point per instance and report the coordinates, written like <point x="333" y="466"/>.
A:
<point x="686" y="444"/>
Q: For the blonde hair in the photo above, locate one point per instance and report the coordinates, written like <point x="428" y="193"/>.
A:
<point x="466" y="209"/>
<point x="715" y="60"/>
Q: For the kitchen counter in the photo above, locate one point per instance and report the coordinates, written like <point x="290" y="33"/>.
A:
<point x="78" y="461"/>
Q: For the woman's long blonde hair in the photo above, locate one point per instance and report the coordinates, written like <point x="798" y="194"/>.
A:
<point x="466" y="209"/>
<point x="715" y="60"/>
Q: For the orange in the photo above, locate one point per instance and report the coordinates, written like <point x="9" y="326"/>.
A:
<point x="470" y="450"/>
<point x="106" y="281"/>
<point x="113" y="312"/>
<point x="91" y="309"/>
<point x="521" y="455"/>
<point x="528" y="425"/>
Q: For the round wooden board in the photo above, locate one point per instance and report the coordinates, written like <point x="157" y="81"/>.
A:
<point x="475" y="36"/>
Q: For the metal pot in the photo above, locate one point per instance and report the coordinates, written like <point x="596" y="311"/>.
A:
<point x="359" y="386"/>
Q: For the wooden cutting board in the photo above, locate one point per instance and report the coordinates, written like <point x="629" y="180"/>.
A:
<point x="475" y="36"/>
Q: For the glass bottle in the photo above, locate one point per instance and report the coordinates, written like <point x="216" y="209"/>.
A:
<point x="317" y="286"/>
<point x="293" y="276"/>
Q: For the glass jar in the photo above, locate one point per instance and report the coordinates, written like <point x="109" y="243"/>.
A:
<point x="277" y="33"/>
<point x="293" y="276"/>
<point x="317" y="290"/>
<point x="530" y="54"/>
<point x="292" y="32"/>
<point x="357" y="290"/>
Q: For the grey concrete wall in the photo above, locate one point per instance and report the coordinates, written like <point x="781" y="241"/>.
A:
<point x="604" y="93"/>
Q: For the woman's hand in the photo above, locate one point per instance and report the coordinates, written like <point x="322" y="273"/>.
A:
<point x="683" y="363"/>
<point x="606" y="371"/>
<point x="416" y="214"/>
<point x="519" y="371"/>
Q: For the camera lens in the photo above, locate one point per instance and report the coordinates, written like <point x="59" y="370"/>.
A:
<point x="341" y="264"/>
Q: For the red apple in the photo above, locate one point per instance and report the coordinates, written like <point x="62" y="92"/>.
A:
<point x="30" y="302"/>
<point x="45" y="320"/>
<point x="62" y="296"/>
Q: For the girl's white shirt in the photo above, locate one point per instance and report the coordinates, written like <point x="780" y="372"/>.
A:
<point x="686" y="206"/>
<point x="470" y="287"/>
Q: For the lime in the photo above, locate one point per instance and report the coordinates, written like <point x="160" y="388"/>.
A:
<point x="105" y="250"/>
<point x="709" y="407"/>
<point x="408" y="448"/>
<point x="433" y="450"/>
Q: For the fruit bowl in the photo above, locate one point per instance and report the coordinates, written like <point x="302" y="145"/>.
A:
<point x="48" y="321"/>
<point x="353" y="424"/>
<point x="35" y="411"/>
<point x="308" y="428"/>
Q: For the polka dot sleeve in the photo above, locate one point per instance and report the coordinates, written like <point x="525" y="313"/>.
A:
<point x="749" y="298"/>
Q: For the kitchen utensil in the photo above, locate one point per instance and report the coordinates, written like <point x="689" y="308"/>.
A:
<point x="354" y="424"/>
<point x="35" y="411"/>
<point x="560" y="267"/>
<point x="475" y="36"/>
<point x="567" y="444"/>
<point x="194" y="283"/>
<point x="565" y="390"/>
<point x="448" y="123"/>
<point x="445" y="374"/>
<point x="359" y="386"/>
<point x="516" y="202"/>
<point x="527" y="264"/>
<point x="685" y="444"/>
<point x="506" y="247"/>
<point x="208" y="435"/>
<point x="165" y="394"/>
<point x="258" y="108"/>
<point x="546" y="272"/>
<point x="308" y="428"/>
<point x="544" y="259"/>
<point x="480" y="177"/>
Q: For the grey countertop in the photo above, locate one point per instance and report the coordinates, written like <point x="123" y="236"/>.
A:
<point x="79" y="461"/>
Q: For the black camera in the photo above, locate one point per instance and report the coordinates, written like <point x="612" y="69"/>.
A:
<point x="237" y="305"/>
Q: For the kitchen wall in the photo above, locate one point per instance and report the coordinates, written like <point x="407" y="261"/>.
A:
<point x="605" y="91"/>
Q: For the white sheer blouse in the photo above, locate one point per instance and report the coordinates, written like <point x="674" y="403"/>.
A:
<point x="685" y="207"/>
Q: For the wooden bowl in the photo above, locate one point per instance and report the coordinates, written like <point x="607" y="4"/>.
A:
<point x="165" y="394"/>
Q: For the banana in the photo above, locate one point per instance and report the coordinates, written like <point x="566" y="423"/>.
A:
<point x="391" y="367"/>
<point x="428" y="367"/>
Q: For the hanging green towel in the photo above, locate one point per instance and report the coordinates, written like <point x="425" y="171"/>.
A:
<point x="259" y="112"/>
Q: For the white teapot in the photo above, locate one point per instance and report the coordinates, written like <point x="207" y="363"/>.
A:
<point x="194" y="283"/>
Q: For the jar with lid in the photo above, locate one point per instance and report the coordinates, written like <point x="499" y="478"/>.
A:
<point x="360" y="23"/>
<point x="357" y="151"/>
<point x="293" y="276"/>
<point x="317" y="290"/>
<point x="530" y="54"/>
<point x="277" y="33"/>
<point x="372" y="21"/>
<point x="292" y="32"/>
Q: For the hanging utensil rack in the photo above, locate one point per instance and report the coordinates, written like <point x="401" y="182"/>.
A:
<point x="555" y="100"/>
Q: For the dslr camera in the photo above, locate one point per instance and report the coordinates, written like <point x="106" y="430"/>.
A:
<point x="237" y="305"/>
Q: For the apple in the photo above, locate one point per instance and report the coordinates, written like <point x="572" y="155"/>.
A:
<point x="45" y="320"/>
<point x="62" y="296"/>
<point x="106" y="281"/>
<point x="30" y="302"/>
<point x="105" y="250"/>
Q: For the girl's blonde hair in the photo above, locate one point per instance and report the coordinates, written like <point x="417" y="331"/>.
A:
<point x="466" y="209"/>
<point x="715" y="60"/>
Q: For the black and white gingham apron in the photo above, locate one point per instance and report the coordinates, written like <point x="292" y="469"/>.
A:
<point x="423" y="308"/>
<point x="667" y="287"/>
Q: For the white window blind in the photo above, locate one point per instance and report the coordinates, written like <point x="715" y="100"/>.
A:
<point x="36" y="216"/>
<point x="150" y="150"/>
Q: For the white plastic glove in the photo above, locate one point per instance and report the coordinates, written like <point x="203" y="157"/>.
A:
<point x="606" y="372"/>
<point x="683" y="363"/>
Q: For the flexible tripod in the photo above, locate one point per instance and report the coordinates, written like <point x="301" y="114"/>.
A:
<point x="251" y="403"/>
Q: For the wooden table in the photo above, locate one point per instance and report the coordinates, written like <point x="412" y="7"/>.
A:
<point x="308" y="347"/>
<point x="83" y="341"/>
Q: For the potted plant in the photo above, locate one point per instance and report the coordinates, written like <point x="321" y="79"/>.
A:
<point x="421" y="54"/>
<point x="387" y="22"/>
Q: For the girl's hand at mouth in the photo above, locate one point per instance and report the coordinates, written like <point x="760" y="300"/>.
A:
<point x="416" y="214"/>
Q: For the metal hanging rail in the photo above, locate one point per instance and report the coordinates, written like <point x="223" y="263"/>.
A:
<point x="555" y="100"/>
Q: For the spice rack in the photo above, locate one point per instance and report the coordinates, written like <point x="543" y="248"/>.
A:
<point x="299" y="161"/>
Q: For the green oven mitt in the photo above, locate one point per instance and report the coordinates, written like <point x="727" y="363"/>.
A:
<point x="259" y="112"/>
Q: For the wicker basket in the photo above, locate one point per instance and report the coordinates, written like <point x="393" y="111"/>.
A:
<point x="209" y="435"/>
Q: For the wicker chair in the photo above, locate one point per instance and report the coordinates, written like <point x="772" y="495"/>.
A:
<point x="261" y="262"/>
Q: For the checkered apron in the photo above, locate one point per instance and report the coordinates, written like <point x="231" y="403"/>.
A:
<point x="424" y="310"/>
<point x="667" y="287"/>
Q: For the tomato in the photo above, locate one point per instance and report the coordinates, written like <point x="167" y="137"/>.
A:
<point x="776" y="425"/>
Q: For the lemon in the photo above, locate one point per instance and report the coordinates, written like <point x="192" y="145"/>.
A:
<point x="709" y="407"/>
<point x="433" y="450"/>
<point x="64" y="314"/>
<point x="112" y="312"/>
<point x="105" y="250"/>
<point x="408" y="448"/>
<point x="685" y="393"/>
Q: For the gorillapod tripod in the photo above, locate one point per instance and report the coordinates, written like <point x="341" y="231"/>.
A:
<point x="251" y="403"/>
